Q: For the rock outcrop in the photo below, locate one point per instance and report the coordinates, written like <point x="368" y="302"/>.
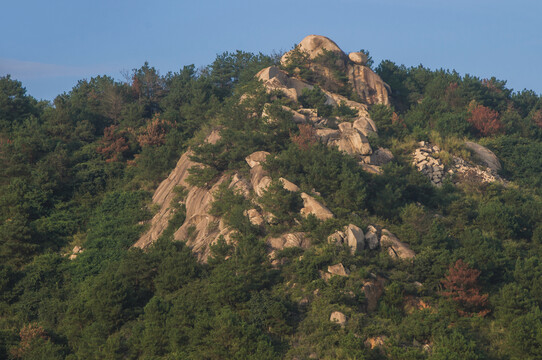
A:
<point x="314" y="46"/>
<point x="367" y="84"/>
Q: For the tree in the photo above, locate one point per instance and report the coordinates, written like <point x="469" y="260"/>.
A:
<point x="485" y="120"/>
<point x="306" y="138"/>
<point x="154" y="133"/>
<point x="114" y="144"/>
<point x="461" y="285"/>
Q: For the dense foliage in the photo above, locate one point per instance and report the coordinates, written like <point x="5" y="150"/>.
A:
<point x="80" y="172"/>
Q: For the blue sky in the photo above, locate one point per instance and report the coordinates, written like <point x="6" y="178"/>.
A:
<point x="50" y="45"/>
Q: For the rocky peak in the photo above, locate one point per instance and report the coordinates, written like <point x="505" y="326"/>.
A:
<point x="364" y="82"/>
<point x="314" y="45"/>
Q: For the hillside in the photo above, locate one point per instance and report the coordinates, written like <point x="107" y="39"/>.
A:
<point x="308" y="206"/>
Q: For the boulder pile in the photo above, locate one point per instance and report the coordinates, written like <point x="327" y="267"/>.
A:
<point x="425" y="161"/>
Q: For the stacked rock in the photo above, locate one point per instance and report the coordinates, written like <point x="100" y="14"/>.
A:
<point x="427" y="164"/>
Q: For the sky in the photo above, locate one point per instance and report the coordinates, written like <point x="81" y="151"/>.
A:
<point x="50" y="45"/>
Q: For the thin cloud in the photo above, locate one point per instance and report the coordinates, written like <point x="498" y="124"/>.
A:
<point x="30" y="70"/>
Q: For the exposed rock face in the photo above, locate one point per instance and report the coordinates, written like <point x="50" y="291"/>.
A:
<point x="368" y="85"/>
<point x="201" y="229"/>
<point x="483" y="155"/>
<point x="338" y="317"/>
<point x="396" y="248"/>
<point x="351" y="236"/>
<point x="338" y="269"/>
<point x="162" y="197"/>
<point x="297" y="239"/>
<point x="312" y="206"/>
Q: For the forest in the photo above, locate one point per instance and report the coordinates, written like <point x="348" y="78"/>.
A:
<point x="77" y="178"/>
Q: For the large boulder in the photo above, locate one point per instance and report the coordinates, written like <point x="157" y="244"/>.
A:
<point x="396" y="248"/>
<point x="368" y="85"/>
<point x="338" y="318"/>
<point x="275" y="79"/>
<point x="351" y="236"/>
<point x="380" y="157"/>
<point x="351" y="141"/>
<point x="297" y="239"/>
<point x="256" y="158"/>
<point x="312" y="206"/>
<point x="255" y="217"/>
<point x="314" y="46"/>
<point x="259" y="179"/>
<point x="484" y="156"/>
<point x="365" y="125"/>
<point x="359" y="58"/>
<point x="338" y="270"/>
<point x="371" y="238"/>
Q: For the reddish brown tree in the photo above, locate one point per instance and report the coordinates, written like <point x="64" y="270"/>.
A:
<point x="485" y="120"/>
<point x="113" y="144"/>
<point x="154" y="133"/>
<point x="28" y="334"/>
<point x="306" y="137"/>
<point x="537" y="118"/>
<point x="461" y="285"/>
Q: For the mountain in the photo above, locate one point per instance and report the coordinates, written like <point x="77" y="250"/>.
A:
<point x="303" y="206"/>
